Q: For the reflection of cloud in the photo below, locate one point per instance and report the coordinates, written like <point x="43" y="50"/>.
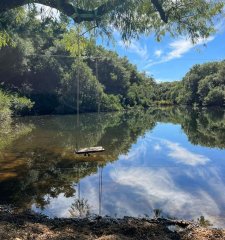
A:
<point x="136" y="190"/>
<point x="139" y="149"/>
<point x="182" y="155"/>
<point x="161" y="189"/>
<point x="58" y="207"/>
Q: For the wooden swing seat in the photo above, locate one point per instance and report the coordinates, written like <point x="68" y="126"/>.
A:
<point x="90" y="150"/>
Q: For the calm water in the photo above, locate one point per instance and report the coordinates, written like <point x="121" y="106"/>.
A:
<point x="168" y="159"/>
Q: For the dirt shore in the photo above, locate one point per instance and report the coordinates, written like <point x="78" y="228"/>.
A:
<point x="29" y="226"/>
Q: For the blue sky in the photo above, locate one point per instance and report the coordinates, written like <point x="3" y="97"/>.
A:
<point x="170" y="59"/>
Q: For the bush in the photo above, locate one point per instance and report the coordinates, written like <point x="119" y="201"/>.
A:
<point x="215" y="97"/>
<point x="12" y="104"/>
<point x="110" y="103"/>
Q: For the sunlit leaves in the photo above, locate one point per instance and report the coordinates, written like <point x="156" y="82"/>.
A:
<point x="5" y="39"/>
<point x="74" y="43"/>
<point x="8" y="21"/>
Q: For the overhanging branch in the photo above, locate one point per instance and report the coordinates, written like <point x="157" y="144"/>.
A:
<point x="160" y="10"/>
<point x="78" y="14"/>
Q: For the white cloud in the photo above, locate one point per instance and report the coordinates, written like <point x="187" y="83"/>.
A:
<point x="158" y="53"/>
<point x="182" y="155"/>
<point x="182" y="46"/>
<point x="178" y="48"/>
<point x="135" y="47"/>
<point x="157" y="147"/>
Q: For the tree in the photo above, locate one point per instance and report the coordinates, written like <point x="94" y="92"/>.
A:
<point x="90" y="91"/>
<point x="190" y="17"/>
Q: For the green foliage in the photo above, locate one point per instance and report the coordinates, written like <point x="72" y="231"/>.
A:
<point x="215" y="97"/>
<point x="44" y="67"/>
<point x="90" y="91"/>
<point x="110" y="102"/>
<point x="203" y="85"/>
<point x="12" y="104"/>
<point x="5" y="39"/>
<point x="9" y="22"/>
<point x="5" y="104"/>
<point x="193" y="19"/>
<point x="73" y="42"/>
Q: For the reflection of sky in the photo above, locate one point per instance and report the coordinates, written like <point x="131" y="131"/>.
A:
<point x="162" y="170"/>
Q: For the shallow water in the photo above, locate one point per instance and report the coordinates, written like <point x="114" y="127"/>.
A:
<point x="168" y="162"/>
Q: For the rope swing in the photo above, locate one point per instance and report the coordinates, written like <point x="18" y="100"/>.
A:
<point x="85" y="151"/>
<point x="89" y="150"/>
<point x="78" y="73"/>
<point x="96" y="71"/>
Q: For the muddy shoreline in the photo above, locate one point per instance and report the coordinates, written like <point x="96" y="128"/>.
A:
<point x="31" y="226"/>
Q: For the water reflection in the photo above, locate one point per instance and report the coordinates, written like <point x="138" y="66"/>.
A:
<point x="168" y="161"/>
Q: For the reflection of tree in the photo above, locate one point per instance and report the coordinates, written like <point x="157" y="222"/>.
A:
<point x="9" y="132"/>
<point x="80" y="208"/>
<point x="203" y="222"/>
<point x="44" y="175"/>
<point x="208" y="128"/>
<point x="157" y="213"/>
<point x="202" y="127"/>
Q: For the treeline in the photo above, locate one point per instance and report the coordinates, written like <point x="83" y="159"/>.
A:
<point x="203" y="85"/>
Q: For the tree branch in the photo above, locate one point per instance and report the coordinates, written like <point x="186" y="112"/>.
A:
<point x="159" y="8"/>
<point x="77" y="14"/>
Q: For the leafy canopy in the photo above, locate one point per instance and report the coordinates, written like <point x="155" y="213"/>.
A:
<point x="193" y="18"/>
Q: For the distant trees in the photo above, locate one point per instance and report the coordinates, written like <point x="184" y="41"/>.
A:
<point x="203" y="85"/>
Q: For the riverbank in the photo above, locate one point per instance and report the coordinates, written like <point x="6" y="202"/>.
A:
<point x="27" y="226"/>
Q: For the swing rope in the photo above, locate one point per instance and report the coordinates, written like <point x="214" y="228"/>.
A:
<point x="78" y="82"/>
<point x="78" y="73"/>
<point x="96" y="71"/>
